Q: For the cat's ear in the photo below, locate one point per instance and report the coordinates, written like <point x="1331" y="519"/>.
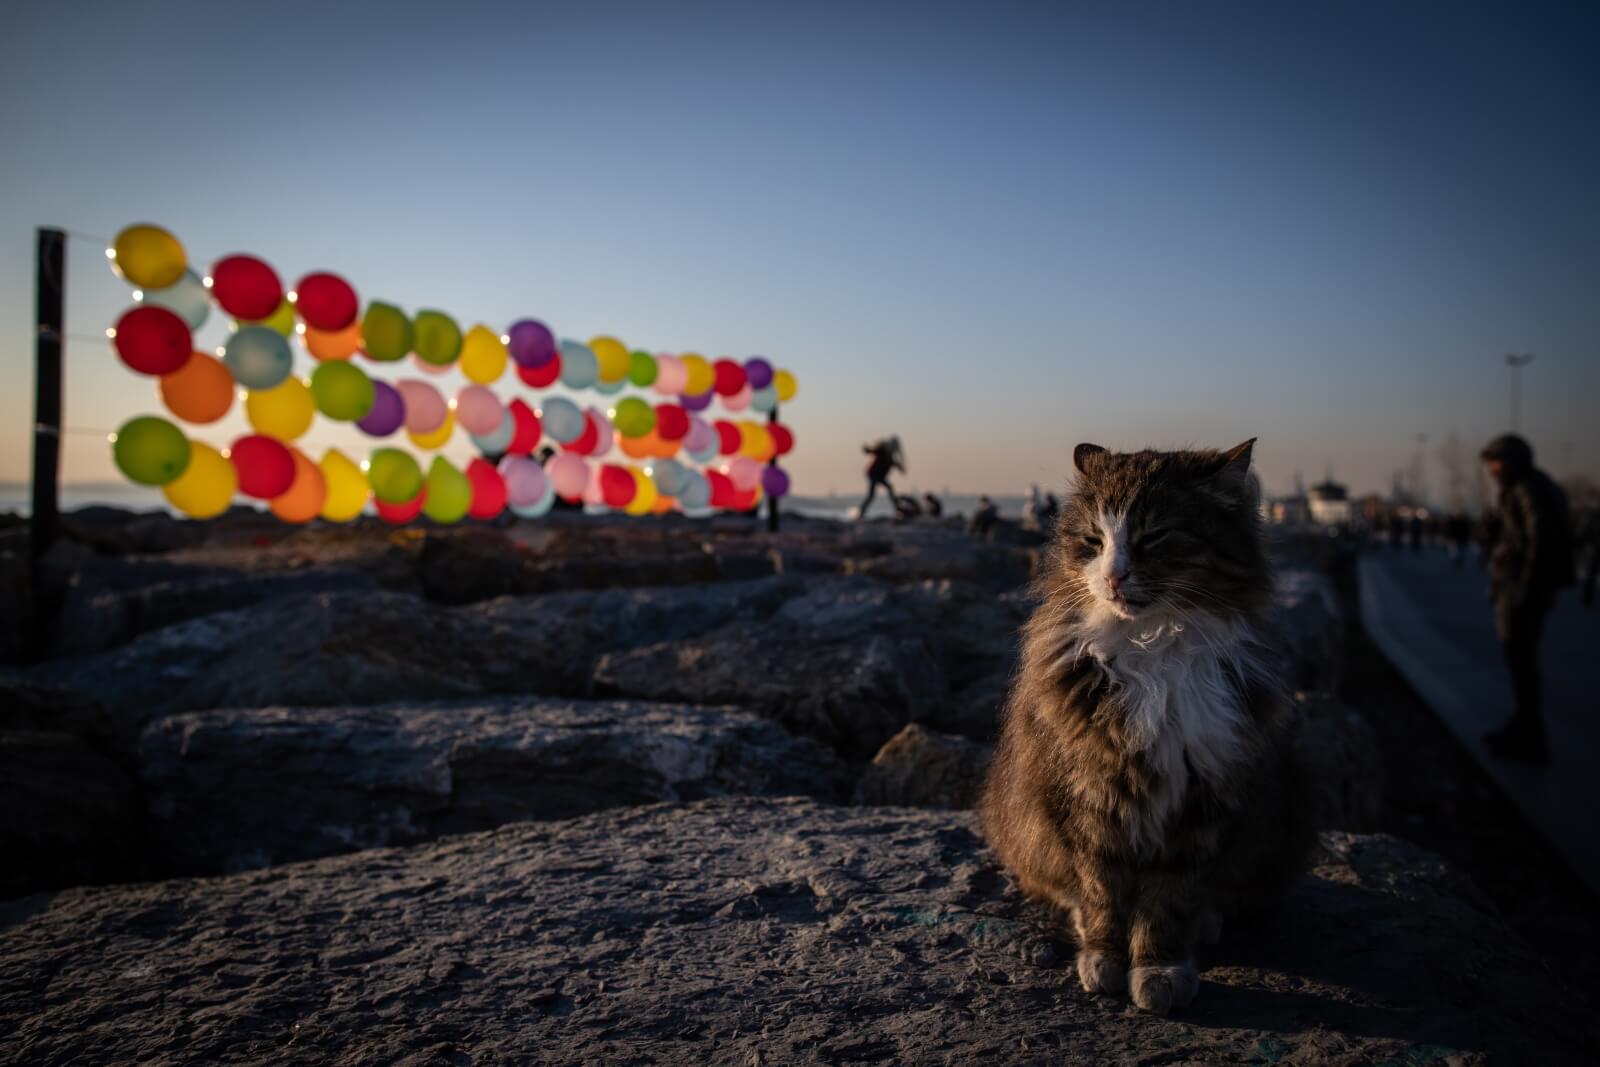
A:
<point x="1081" y="456"/>
<point x="1233" y="468"/>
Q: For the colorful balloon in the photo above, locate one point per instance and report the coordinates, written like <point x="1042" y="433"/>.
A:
<point x="438" y="338"/>
<point x="700" y="435"/>
<point x="671" y="375"/>
<point x="336" y="344"/>
<point x="206" y="487"/>
<point x="562" y="420"/>
<point x="613" y="358"/>
<point x="388" y="412"/>
<point x="386" y="333"/>
<point x="348" y="490"/>
<point x="670" y="476"/>
<point x="525" y="481"/>
<point x="437" y="437"/>
<point x="479" y="410"/>
<point x="579" y="367"/>
<point x="605" y="388"/>
<point x="786" y="386"/>
<point x="426" y="409"/>
<point x="634" y="417"/>
<point x="280" y="321"/>
<point x="403" y="512"/>
<point x="265" y="466"/>
<point x="738" y="401"/>
<point x="729" y="438"/>
<point x="432" y="370"/>
<point x="744" y="472"/>
<point x="496" y="442"/>
<point x="258" y="358"/>
<point x="483" y="357"/>
<point x="569" y="474"/>
<point x="758" y="372"/>
<point x="152" y="340"/>
<point x="617" y="486"/>
<point x="782" y="438"/>
<point x="764" y="400"/>
<point x="150" y="450"/>
<point x="755" y="442"/>
<point x="200" y="391"/>
<point x="697" y="401"/>
<point x="604" y="434"/>
<point x="488" y="490"/>
<point x="528" y="428"/>
<point x="774" y="482"/>
<point x="538" y="507"/>
<point x="728" y="377"/>
<point x="531" y="343"/>
<point x="541" y="376"/>
<point x="326" y="302"/>
<point x="699" y="377"/>
<point x="148" y="256"/>
<point x="644" y="493"/>
<point x="672" y="422"/>
<point x="394" y="476"/>
<point x="187" y="298"/>
<point x="343" y="391"/>
<point x="722" y="492"/>
<point x="696" y="493"/>
<point x="587" y="441"/>
<point x="304" y="498"/>
<point x="642" y="368"/>
<point x="285" y="411"/>
<point x="246" y="287"/>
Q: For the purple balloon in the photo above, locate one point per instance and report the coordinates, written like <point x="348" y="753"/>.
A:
<point x="774" y="481"/>
<point x="388" y="411"/>
<point x="758" y="372"/>
<point x="532" y="344"/>
<point x="697" y="403"/>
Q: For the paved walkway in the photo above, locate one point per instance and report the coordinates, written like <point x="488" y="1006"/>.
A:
<point x="1433" y="622"/>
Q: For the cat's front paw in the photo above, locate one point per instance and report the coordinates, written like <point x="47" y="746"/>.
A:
<point x="1159" y="989"/>
<point x="1101" y="973"/>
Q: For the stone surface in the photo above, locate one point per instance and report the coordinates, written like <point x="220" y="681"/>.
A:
<point x="923" y="768"/>
<point x="1340" y="753"/>
<point x="1309" y="628"/>
<point x="741" y="931"/>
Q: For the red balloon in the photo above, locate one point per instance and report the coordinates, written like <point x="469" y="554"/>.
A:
<point x="402" y="513"/>
<point x="729" y="439"/>
<point x="325" y="301"/>
<point x="730" y="377"/>
<point x="782" y="438"/>
<point x="525" y="436"/>
<point x="722" y="491"/>
<point x="742" y="501"/>
<point x="247" y="288"/>
<point x="617" y="486"/>
<point x="672" y="422"/>
<point x="588" y="440"/>
<point x="542" y="375"/>
<point x="152" y="340"/>
<point x="488" y="490"/>
<point x="265" y="466"/>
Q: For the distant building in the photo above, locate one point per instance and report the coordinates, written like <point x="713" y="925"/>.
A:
<point x="1329" y="503"/>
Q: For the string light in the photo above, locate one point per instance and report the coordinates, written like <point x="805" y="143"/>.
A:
<point x="208" y="281"/>
<point x="111" y="333"/>
<point x="138" y="296"/>
<point x="111" y="253"/>
<point x="505" y="338"/>
<point x="291" y="296"/>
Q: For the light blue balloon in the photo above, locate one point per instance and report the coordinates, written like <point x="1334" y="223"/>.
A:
<point x="561" y="420"/>
<point x="498" y="440"/>
<point x="764" y="400"/>
<point x="706" y="454"/>
<point x="696" y="492"/>
<point x="579" y="367"/>
<point x="538" y="507"/>
<point x="610" y="388"/>
<point x="187" y="298"/>
<point x="698" y="513"/>
<point x="670" y="476"/>
<point x="258" y="357"/>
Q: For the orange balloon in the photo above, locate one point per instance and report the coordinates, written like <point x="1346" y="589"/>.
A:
<point x="636" y="447"/>
<point x="303" y="502"/>
<point x="199" y="391"/>
<point x="663" y="505"/>
<point x="665" y="449"/>
<point x="334" y="344"/>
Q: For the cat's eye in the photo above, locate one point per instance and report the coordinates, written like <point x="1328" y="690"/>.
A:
<point x="1152" y="540"/>
<point x="1093" y="541"/>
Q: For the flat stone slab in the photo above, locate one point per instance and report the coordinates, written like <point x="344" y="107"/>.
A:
<point x="741" y="931"/>
<point x="237" y="789"/>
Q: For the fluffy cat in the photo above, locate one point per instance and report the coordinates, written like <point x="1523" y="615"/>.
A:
<point x="1140" y="782"/>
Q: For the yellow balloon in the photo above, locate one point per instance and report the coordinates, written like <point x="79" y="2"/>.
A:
<point x="347" y="487"/>
<point x="285" y="411"/>
<point x="483" y="357"/>
<point x="149" y="257"/>
<point x="613" y="356"/>
<point x="206" y="486"/>
<point x="282" y="320"/>
<point x="786" y="386"/>
<point x="644" y="497"/>
<point x="700" y="375"/>
<point x="755" y="441"/>
<point x="435" y="439"/>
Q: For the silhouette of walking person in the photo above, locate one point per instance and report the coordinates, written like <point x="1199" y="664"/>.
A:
<point x="886" y="455"/>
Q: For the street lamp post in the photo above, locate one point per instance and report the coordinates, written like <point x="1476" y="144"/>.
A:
<point x="1516" y="361"/>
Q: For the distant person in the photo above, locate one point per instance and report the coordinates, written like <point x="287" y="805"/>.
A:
<point x="984" y="519"/>
<point x="1532" y="559"/>
<point x="886" y="455"/>
<point x="1049" y="511"/>
<point x="1418" y="526"/>
<point x="1031" y="508"/>
<point x="1458" y="528"/>
<point x="932" y="505"/>
<point x="906" y="508"/>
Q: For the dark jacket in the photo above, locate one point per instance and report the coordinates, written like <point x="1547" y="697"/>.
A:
<point x="1533" y="554"/>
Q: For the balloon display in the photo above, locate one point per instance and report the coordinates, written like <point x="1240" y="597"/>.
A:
<point x="200" y="391"/>
<point x="531" y="343"/>
<point x="447" y="493"/>
<point x="437" y="339"/>
<point x="562" y="420"/>
<point x="386" y="333"/>
<point x="579" y="367"/>
<point x="304" y="498"/>
<point x="150" y="450"/>
<point x="326" y="302"/>
<point x="148" y="256"/>
<point x="569" y="474"/>
<point x="347" y="487"/>
<point x="152" y="340"/>
<point x="246" y="287"/>
<point x="187" y="298"/>
<point x="285" y="411"/>
<point x="483" y="357"/>
<point x="478" y="410"/>
<point x="426" y="409"/>
<point x="343" y="391"/>
<point x="388" y="412"/>
<point x="526" y="436"/>
<point x="641" y="368"/>
<point x="265" y="466"/>
<point x="612" y="357"/>
<point x="634" y="417"/>
<point x="394" y="476"/>
<point x="336" y="344"/>
<point x="206" y="487"/>
<point x="258" y="358"/>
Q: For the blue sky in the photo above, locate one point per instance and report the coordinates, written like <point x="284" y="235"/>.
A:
<point x="995" y="230"/>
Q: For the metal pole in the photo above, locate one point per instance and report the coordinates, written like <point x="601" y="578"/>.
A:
<point x="50" y="278"/>
<point x="772" y="501"/>
<point x="1516" y="361"/>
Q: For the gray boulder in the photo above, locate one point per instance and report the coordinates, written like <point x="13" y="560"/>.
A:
<point x="232" y="790"/>
<point x="744" y="931"/>
<point x="923" y="768"/>
<point x="1308" y="626"/>
<point x="1339" y="752"/>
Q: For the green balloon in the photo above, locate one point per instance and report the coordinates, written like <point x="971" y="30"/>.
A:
<point x="394" y="475"/>
<point x="150" y="451"/>
<point x="642" y="369"/>
<point x="342" y="391"/>
<point x="386" y="334"/>
<point x="634" y="417"/>
<point x="449" y="492"/>
<point x="438" y="338"/>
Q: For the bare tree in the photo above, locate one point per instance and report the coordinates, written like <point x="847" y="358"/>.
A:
<point x="1453" y="461"/>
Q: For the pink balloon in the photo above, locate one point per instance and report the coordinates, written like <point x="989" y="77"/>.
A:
<point x="594" y="492"/>
<point x="671" y="375"/>
<point x="425" y="408"/>
<point x="431" y="368"/>
<point x="700" y="435"/>
<point x="604" y="433"/>
<point x="569" y="474"/>
<point x="745" y="473"/>
<point x="738" y="401"/>
<point x="525" y="481"/>
<point x="478" y="410"/>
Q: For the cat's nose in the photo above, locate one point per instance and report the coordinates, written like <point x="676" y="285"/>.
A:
<point x="1114" y="581"/>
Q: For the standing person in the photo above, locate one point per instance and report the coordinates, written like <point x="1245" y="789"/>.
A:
<point x="985" y="518"/>
<point x="886" y="456"/>
<point x="1030" y="508"/>
<point x="1532" y="559"/>
<point x="932" y="505"/>
<point x="1460" y="528"/>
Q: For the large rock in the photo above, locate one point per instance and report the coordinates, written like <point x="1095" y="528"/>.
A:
<point x="923" y="768"/>
<point x="231" y="790"/>
<point x="1309" y="628"/>
<point x="1344" y="766"/>
<point x="742" y="931"/>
